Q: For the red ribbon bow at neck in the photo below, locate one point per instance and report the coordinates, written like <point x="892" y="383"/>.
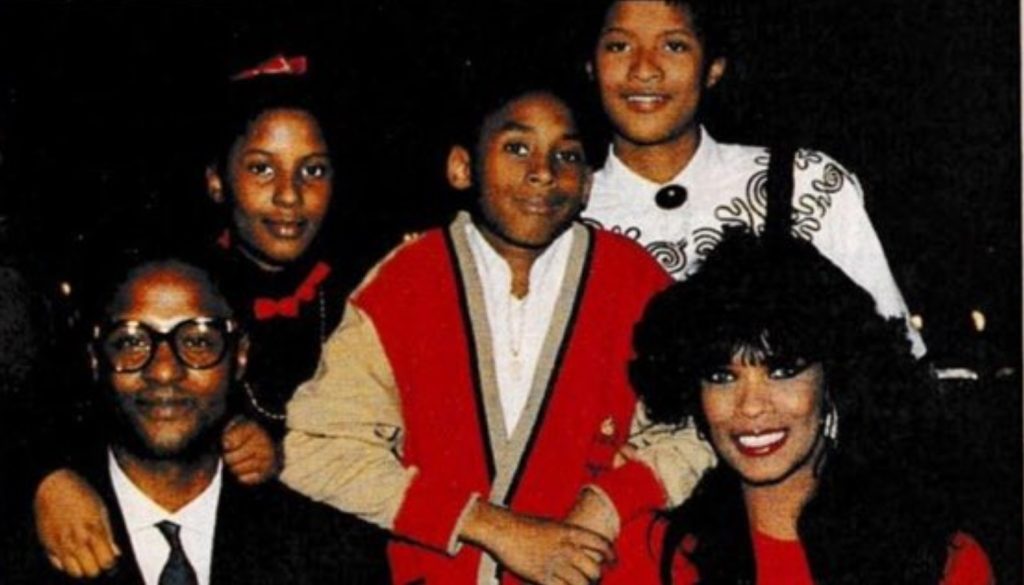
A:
<point x="276" y="65"/>
<point x="265" y="308"/>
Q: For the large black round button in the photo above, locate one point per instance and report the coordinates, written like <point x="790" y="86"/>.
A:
<point x="670" y="196"/>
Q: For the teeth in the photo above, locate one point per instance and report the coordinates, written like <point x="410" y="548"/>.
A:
<point x="167" y="411"/>
<point x="644" y="99"/>
<point x="755" y="441"/>
<point x="285" y="229"/>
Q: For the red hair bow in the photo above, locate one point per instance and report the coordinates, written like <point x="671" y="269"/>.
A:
<point x="264" y="308"/>
<point x="276" y="65"/>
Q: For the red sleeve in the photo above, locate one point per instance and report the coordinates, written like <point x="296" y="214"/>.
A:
<point x="967" y="564"/>
<point x="633" y="489"/>
<point x="431" y="511"/>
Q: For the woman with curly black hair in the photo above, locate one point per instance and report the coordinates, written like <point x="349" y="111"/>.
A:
<point x="828" y="432"/>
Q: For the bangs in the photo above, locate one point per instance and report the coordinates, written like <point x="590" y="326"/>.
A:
<point x="755" y="346"/>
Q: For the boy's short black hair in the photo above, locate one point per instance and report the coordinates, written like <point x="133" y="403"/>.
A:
<point x="485" y="88"/>
<point x="711" y="19"/>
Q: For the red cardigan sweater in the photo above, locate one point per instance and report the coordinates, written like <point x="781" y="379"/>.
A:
<point x="418" y="304"/>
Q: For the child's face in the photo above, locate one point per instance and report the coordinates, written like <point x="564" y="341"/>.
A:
<point x="649" y="64"/>
<point x="532" y="171"/>
<point x="280" y="179"/>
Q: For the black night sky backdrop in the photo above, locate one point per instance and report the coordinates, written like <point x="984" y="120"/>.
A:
<point x="102" y="101"/>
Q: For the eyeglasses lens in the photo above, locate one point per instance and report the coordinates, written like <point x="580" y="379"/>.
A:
<point x="128" y="347"/>
<point x="198" y="345"/>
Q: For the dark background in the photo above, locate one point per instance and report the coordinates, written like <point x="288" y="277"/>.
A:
<point x="102" y="103"/>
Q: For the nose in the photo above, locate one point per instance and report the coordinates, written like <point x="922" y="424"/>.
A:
<point x="165" y="366"/>
<point x="540" y="171"/>
<point x="753" y="399"/>
<point x="288" y="191"/>
<point x="645" y="66"/>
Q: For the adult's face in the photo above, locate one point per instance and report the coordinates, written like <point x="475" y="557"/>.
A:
<point x="765" y="420"/>
<point x="168" y="406"/>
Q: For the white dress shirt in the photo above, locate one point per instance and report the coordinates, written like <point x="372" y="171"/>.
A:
<point x="518" y="326"/>
<point x="725" y="184"/>
<point x="198" y="521"/>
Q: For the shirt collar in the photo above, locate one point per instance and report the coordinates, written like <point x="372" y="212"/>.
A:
<point x="628" y="183"/>
<point x="141" y="512"/>
<point x="492" y="266"/>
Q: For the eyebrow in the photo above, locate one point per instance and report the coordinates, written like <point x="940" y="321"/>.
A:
<point x="671" y="31"/>
<point x="271" y="154"/>
<point x="513" y="126"/>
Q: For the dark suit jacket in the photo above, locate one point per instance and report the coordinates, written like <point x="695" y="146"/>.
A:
<point x="266" y="534"/>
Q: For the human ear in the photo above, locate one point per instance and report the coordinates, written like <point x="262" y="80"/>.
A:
<point x="214" y="185"/>
<point x="460" y="168"/>
<point x="715" y="72"/>
<point x="242" y="357"/>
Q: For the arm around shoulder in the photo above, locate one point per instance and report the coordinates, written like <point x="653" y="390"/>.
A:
<point x="664" y="464"/>
<point x="345" y="440"/>
<point x="345" y="427"/>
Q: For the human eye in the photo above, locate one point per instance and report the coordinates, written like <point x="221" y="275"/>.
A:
<point x="197" y="341"/>
<point x="197" y="334"/>
<point x="570" y="155"/>
<point x="516" y="148"/>
<point x="318" y="170"/>
<point x="615" y="42"/>
<point x="616" y="46"/>
<point x="260" y="169"/>
<point x="718" y="376"/>
<point x="199" y="344"/>
<point x="787" y="370"/>
<point x="128" y="341"/>
<point x="677" y="46"/>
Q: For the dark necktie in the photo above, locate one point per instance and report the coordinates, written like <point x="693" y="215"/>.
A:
<point x="177" y="571"/>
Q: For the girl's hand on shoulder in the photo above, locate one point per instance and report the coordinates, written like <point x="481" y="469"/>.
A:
<point x="250" y="452"/>
<point x="73" y="525"/>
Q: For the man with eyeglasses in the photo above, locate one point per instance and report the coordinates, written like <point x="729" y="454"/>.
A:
<point x="167" y="354"/>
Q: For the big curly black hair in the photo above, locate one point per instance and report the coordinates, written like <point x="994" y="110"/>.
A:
<point x="879" y="513"/>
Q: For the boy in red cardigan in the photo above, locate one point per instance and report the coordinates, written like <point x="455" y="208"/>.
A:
<point x="478" y="379"/>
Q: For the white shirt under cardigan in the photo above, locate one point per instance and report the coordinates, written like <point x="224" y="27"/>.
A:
<point x="725" y="184"/>
<point x="518" y="326"/>
<point x="198" y="521"/>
